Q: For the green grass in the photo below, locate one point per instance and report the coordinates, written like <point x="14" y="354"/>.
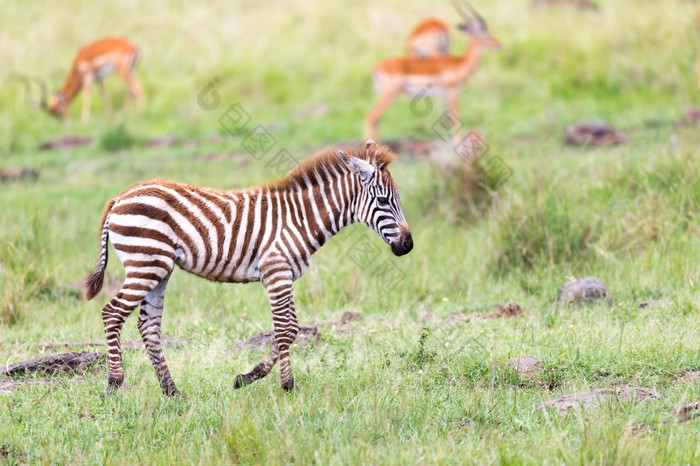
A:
<point x="396" y="390"/>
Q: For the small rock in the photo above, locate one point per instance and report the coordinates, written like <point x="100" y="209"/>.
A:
<point x="592" y="398"/>
<point x="588" y="289"/>
<point x="593" y="134"/>
<point x="526" y="365"/>
<point x="689" y="411"/>
<point x="349" y="316"/>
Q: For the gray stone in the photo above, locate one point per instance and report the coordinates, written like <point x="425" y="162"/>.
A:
<point x="526" y="365"/>
<point x="589" y="289"/>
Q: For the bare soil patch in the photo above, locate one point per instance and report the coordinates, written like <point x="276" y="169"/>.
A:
<point x="66" y="143"/>
<point x="307" y="334"/>
<point x="688" y="411"/>
<point x="593" y="398"/>
<point x="652" y="303"/>
<point x="691" y="116"/>
<point x="593" y="134"/>
<point x="507" y="310"/>
<point x="689" y="377"/>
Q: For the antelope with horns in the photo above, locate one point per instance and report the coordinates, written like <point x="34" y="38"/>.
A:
<point x="93" y="63"/>
<point x="440" y="74"/>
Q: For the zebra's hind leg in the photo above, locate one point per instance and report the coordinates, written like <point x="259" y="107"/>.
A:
<point x="149" y="328"/>
<point x="259" y="371"/>
<point x="114" y="314"/>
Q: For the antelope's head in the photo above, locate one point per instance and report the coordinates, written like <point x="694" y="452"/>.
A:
<point x="475" y="26"/>
<point x="378" y="203"/>
<point x="57" y="105"/>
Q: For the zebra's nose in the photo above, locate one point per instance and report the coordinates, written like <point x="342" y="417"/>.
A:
<point x="407" y="243"/>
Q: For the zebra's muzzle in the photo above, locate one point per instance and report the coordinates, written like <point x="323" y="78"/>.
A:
<point x="403" y="244"/>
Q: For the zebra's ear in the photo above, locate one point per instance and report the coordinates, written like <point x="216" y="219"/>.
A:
<point x="364" y="169"/>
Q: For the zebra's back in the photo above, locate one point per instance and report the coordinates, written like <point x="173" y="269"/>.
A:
<point x="211" y="233"/>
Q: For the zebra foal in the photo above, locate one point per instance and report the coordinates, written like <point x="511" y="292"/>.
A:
<point x="265" y="234"/>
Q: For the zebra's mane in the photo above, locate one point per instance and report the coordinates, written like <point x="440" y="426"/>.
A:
<point x="311" y="168"/>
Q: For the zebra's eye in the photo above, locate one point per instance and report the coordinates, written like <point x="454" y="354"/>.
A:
<point x="381" y="200"/>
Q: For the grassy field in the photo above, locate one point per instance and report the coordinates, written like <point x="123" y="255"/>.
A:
<point x="393" y="388"/>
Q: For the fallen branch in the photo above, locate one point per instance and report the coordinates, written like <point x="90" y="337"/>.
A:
<point x="55" y="363"/>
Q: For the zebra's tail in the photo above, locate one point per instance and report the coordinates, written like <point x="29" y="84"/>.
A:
<point x="93" y="282"/>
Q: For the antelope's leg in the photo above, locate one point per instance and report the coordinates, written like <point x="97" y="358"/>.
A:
<point x="149" y="328"/>
<point x="386" y="98"/>
<point x="135" y="89"/>
<point x="87" y="90"/>
<point x="103" y="94"/>
<point x="453" y="105"/>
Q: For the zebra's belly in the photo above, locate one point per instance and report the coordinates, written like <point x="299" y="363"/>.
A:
<point x="222" y="270"/>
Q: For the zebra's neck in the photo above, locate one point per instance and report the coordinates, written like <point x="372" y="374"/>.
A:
<point x="324" y="204"/>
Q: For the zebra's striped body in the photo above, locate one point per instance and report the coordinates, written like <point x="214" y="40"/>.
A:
<point x="265" y="234"/>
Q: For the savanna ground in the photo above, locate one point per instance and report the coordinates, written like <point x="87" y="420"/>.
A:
<point x="394" y="388"/>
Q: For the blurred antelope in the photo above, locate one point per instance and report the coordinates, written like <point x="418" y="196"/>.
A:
<point x="94" y="62"/>
<point x="430" y="38"/>
<point x="443" y="74"/>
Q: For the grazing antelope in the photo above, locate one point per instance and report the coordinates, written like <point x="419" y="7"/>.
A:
<point x="92" y="64"/>
<point x="265" y="234"/>
<point x="430" y="38"/>
<point x="444" y="74"/>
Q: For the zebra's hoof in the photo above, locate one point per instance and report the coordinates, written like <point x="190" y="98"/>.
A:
<point x="113" y="384"/>
<point x="240" y="382"/>
<point x="171" y="390"/>
<point x="289" y="386"/>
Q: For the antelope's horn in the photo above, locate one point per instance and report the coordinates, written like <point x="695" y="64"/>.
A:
<point x="27" y="82"/>
<point x="461" y="10"/>
<point x="474" y="12"/>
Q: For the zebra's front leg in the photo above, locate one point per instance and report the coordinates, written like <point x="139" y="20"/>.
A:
<point x="278" y="283"/>
<point x="149" y="325"/>
<point x="286" y="331"/>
